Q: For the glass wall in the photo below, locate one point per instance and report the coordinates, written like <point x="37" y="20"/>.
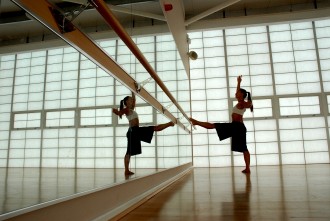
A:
<point x="56" y="105"/>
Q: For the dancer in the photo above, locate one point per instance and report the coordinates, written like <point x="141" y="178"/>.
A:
<point x="135" y="134"/>
<point x="236" y="129"/>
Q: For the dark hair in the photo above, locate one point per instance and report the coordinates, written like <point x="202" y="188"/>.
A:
<point x="123" y="103"/>
<point x="248" y="95"/>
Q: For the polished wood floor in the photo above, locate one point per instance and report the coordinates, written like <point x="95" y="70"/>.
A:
<point x="26" y="187"/>
<point x="292" y="192"/>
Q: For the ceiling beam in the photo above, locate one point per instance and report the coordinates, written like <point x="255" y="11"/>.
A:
<point x="136" y="12"/>
<point x="210" y="11"/>
<point x="260" y="20"/>
<point x="113" y="5"/>
<point x="174" y="13"/>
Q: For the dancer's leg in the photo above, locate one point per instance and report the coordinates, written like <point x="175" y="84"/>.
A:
<point x="126" y="163"/>
<point x="206" y="125"/>
<point x="247" y="162"/>
<point x="161" y="127"/>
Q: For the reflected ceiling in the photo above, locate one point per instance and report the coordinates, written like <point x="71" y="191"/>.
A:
<point x="16" y="27"/>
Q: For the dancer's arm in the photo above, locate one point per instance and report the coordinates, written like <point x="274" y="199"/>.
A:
<point x="247" y="104"/>
<point x="133" y="95"/>
<point x="239" y="80"/>
<point x="120" y="112"/>
<point x="134" y="99"/>
<point x="244" y="104"/>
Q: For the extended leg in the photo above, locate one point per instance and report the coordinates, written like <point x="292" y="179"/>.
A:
<point x="206" y="125"/>
<point x="161" y="127"/>
<point x="247" y="162"/>
<point x="126" y="163"/>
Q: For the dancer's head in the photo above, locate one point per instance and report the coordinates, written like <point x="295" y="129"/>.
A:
<point x="242" y="94"/>
<point x="124" y="103"/>
<point x="127" y="102"/>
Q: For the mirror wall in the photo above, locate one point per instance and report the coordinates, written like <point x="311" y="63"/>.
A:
<point x="58" y="133"/>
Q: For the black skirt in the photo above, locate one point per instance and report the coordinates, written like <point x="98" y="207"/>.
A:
<point x="237" y="132"/>
<point x="134" y="137"/>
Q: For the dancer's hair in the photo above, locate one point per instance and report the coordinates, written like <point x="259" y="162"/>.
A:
<point x="248" y="95"/>
<point x="123" y="103"/>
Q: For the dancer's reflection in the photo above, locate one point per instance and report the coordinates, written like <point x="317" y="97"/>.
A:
<point x="135" y="134"/>
<point x="241" y="210"/>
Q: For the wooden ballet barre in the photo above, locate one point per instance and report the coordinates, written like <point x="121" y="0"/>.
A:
<point x="50" y="16"/>
<point x="113" y="22"/>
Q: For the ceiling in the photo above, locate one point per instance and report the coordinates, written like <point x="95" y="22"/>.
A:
<point x="16" y="26"/>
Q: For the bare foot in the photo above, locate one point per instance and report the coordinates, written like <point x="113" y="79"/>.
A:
<point x="127" y="173"/>
<point x="246" y="171"/>
<point x="171" y="124"/>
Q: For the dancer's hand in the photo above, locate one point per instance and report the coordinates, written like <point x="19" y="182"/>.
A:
<point x="239" y="78"/>
<point x="115" y="111"/>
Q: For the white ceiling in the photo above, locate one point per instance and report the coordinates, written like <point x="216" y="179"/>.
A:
<point x="16" y="27"/>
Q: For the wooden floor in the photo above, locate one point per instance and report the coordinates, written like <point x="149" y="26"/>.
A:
<point x="291" y="192"/>
<point x="27" y="187"/>
<point x="294" y="192"/>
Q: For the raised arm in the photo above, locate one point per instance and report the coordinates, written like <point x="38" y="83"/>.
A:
<point x="134" y="99"/>
<point x="239" y="80"/>
<point x="133" y="95"/>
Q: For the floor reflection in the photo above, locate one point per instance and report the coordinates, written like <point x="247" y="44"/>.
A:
<point x="24" y="187"/>
<point x="283" y="193"/>
<point x="290" y="192"/>
<point x="241" y="210"/>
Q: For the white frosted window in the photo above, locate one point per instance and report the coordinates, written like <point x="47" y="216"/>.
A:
<point x="299" y="106"/>
<point x="328" y="99"/>
<point x="265" y="134"/>
<point x="60" y="118"/>
<point x="323" y="39"/>
<point x="61" y="78"/>
<point x="238" y="60"/>
<point x="294" y="58"/>
<point x="6" y="83"/>
<point x="306" y="135"/>
<point x="7" y="62"/>
<point x="293" y="158"/>
<point x="251" y="59"/>
<point x="291" y="135"/>
<point x="30" y="68"/>
<point x="96" y="88"/>
<point x="85" y="148"/>
<point x="236" y="50"/>
<point x="166" y="65"/>
<point x="283" y="57"/>
<point x="145" y="114"/>
<point x="318" y="157"/>
<point x="109" y="46"/>
<point x="128" y="61"/>
<point x="27" y="120"/>
<point x="96" y="117"/>
<point x="25" y="149"/>
<point x="235" y="40"/>
<point x="261" y="108"/>
<point x="85" y="63"/>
